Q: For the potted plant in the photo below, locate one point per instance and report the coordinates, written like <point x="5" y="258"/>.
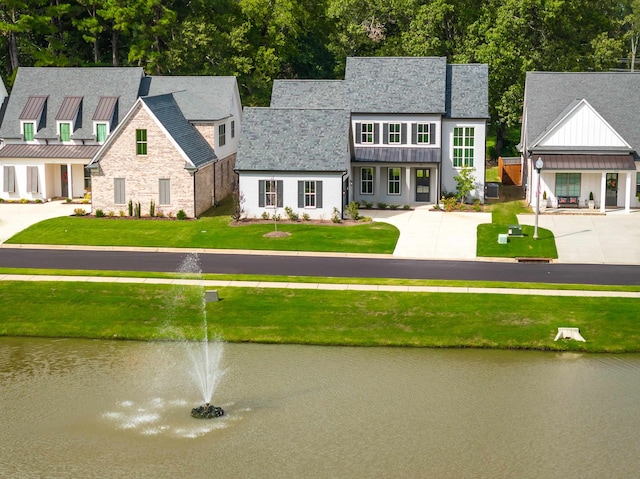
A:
<point x="592" y="204"/>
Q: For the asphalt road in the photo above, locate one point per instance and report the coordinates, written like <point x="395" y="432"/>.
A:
<point x="341" y="267"/>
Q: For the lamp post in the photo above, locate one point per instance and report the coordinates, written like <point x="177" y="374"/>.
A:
<point x="539" y="165"/>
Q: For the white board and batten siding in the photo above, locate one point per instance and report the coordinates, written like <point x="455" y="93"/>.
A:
<point x="289" y="185"/>
<point x="448" y="171"/>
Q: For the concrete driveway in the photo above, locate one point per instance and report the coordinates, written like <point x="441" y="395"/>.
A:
<point x="427" y="234"/>
<point x="15" y="217"/>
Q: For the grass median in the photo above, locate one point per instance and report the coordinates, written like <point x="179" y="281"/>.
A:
<point x="158" y="312"/>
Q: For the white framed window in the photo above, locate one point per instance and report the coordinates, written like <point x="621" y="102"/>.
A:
<point x="394" y="133"/>
<point x="424" y="133"/>
<point x="394" y="181"/>
<point x="271" y="193"/>
<point x="309" y="194"/>
<point x="222" y="134"/>
<point x="463" y="147"/>
<point x="28" y="131"/>
<point x="366" y="133"/>
<point x="366" y="181"/>
<point x="141" y="142"/>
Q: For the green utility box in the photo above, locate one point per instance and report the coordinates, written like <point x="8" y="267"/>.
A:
<point x="515" y="230"/>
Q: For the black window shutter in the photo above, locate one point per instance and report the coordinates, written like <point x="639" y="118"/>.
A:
<point x="385" y="133"/>
<point x="300" y="194"/>
<point x="318" y="194"/>
<point x="432" y="133"/>
<point x="358" y="133"/>
<point x="279" y="188"/>
<point x="261" y="193"/>
<point x="376" y="133"/>
<point x="403" y="133"/>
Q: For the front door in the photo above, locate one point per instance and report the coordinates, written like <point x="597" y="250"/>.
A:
<point x="423" y="186"/>
<point x="612" y="190"/>
<point x="64" y="180"/>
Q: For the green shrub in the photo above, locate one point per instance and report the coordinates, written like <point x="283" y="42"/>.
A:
<point x="181" y="215"/>
<point x="394" y="207"/>
<point x="476" y="205"/>
<point x="79" y="212"/>
<point x="406" y="207"/>
<point x="152" y="208"/>
<point x="292" y="215"/>
<point x="160" y="214"/>
<point x="130" y="207"/>
<point x="368" y="205"/>
<point x="38" y="200"/>
<point x="305" y="217"/>
<point x="99" y="213"/>
<point x="121" y="213"/>
<point x="137" y="209"/>
<point x="450" y="203"/>
<point x="24" y="200"/>
<point x="265" y="215"/>
<point x="111" y="213"/>
<point x="67" y="200"/>
<point x="353" y="211"/>
<point x="335" y="217"/>
<point x="382" y="206"/>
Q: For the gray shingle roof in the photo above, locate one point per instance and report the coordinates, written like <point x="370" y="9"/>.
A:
<point x="468" y="91"/>
<point x="205" y="98"/>
<point x="308" y="94"/>
<point x="294" y="140"/>
<point x="57" y="83"/>
<point x="396" y="84"/>
<point x="614" y="95"/>
<point x="167" y="111"/>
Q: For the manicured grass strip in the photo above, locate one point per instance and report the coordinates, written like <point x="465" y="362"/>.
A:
<point x="317" y="317"/>
<point x="211" y="232"/>
<point x="320" y="279"/>
<point x="524" y="246"/>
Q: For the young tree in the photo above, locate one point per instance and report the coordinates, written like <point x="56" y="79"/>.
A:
<point x="465" y="183"/>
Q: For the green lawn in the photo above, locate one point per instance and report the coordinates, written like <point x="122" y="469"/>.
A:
<point x="502" y="215"/>
<point x="211" y="232"/>
<point x="157" y="312"/>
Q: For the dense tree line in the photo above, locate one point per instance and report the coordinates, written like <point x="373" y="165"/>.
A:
<point x="259" y="40"/>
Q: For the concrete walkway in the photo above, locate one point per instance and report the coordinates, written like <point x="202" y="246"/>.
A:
<point x="15" y="217"/>
<point x="211" y="284"/>
<point x="613" y="238"/>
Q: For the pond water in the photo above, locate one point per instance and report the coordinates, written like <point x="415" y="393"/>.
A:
<point x="76" y="408"/>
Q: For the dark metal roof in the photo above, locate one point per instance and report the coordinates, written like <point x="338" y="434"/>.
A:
<point x="105" y="108"/>
<point x="587" y="162"/>
<point x="69" y="108"/>
<point x="49" y="151"/>
<point x="33" y="108"/>
<point x="398" y="155"/>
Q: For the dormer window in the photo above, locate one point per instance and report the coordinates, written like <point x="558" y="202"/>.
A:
<point x="28" y="131"/>
<point x="366" y="133"/>
<point x="32" y="115"/>
<point x="394" y="133"/>
<point x="65" y="131"/>
<point x="423" y="133"/>
<point x="106" y="114"/>
<point x="101" y="132"/>
<point x="69" y="115"/>
<point x="222" y="134"/>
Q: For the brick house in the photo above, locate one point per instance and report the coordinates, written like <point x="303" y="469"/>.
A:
<point x="175" y="148"/>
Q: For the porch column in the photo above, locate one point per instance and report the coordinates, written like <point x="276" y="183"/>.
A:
<point x="377" y="183"/>
<point x="627" y="195"/>
<point x="407" y="182"/>
<point x="43" y="176"/>
<point x="603" y="190"/>
<point x="69" y="181"/>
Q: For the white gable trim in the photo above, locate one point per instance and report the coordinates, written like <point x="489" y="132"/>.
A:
<point x="581" y="127"/>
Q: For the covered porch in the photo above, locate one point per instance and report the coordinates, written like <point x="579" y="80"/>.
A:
<point x="44" y="172"/>
<point x="582" y="183"/>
